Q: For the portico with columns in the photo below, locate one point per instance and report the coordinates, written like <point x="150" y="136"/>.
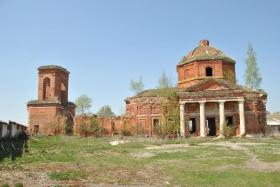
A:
<point x="203" y="115"/>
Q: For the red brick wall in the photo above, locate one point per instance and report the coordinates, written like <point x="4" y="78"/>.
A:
<point x="143" y="111"/>
<point x="111" y="125"/>
<point x="58" y="84"/>
<point x="41" y="116"/>
<point x="191" y="73"/>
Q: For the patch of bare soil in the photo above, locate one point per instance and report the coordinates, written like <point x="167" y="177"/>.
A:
<point x="38" y="176"/>
<point x="154" y="150"/>
<point x="143" y="154"/>
<point x="168" y="146"/>
<point x="253" y="163"/>
<point x="258" y="165"/>
<point x="27" y="178"/>
<point x="145" y="176"/>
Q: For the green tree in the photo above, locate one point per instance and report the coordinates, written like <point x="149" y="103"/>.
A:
<point x="83" y="105"/>
<point x="170" y="118"/>
<point x="252" y="75"/>
<point x="105" y="111"/>
<point x="137" y="86"/>
<point x="164" y="81"/>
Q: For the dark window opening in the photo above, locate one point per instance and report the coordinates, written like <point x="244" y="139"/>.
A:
<point x="113" y="126"/>
<point x="46" y="89"/>
<point x="209" y="72"/>
<point x="155" y="126"/>
<point x="63" y="92"/>
<point x="229" y="121"/>
<point x="211" y="123"/>
<point x="36" y="129"/>
<point x="192" y="125"/>
<point x="155" y="122"/>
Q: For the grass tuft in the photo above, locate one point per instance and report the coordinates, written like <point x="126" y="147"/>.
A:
<point x="67" y="175"/>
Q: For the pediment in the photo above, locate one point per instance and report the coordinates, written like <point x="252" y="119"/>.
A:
<point x="211" y="84"/>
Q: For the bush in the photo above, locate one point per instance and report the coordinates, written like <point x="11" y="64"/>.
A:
<point x="126" y="130"/>
<point x="68" y="128"/>
<point x="228" y="130"/>
<point x="5" y="185"/>
<point x="139" y="130"/>
<point x="91" y="128"/>
<point x="18" y="184"/>
<point x="96" y="129"/>
<point x="67" y="175"/>
<point x="57" y="125"/>
<point x="167" y="129"/>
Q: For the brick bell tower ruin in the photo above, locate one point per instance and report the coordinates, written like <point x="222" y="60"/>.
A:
<point x="52" y="99"/>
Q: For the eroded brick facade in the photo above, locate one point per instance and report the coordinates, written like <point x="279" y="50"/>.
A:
<point x="208" y="98"/>
<point x="52" y="99"/>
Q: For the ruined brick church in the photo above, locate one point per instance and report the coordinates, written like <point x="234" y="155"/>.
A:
<point x="208" y="98"/>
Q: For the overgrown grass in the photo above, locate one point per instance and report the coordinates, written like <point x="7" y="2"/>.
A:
<point x="67" y="175"/>
<point x="94" y="160"/>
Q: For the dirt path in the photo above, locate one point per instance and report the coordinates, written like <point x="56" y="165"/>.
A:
<point x="253" y="163"/>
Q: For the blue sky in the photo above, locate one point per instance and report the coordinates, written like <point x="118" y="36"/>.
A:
<point x="106" y="43"/>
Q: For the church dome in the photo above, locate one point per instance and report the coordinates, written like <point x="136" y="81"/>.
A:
<point x="205" y="52"/>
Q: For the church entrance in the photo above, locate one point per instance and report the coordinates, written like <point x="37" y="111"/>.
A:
<point x="192" y="125"/>
<point x="211" y="123"/>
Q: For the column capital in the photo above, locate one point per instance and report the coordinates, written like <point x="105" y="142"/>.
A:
<point x="182" y="103"/>
<point x="240" y="101"/>
<point x="202" y="102"/>
<point x="222" y="101"/>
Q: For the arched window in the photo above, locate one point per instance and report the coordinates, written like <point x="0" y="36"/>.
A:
<point x="209" y="72"/>
<point x="63" y="92"/>
<point x="46" y="89"/>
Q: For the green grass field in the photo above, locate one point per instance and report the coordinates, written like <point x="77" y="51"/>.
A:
<point x="76" y="161"/>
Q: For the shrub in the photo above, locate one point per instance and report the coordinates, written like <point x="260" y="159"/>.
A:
<point x="91" y="127"/>
<point x="5" y="185"/>
<point x="67" y="175"/>
<point x="228" y="130"/>
<point x="68" y="128"/>
<point x="18" y="184"/>
<point x="57" y="125"/>
<point x="167" y="129"/>
<point x="139" y="130"/>
<point x="95" y="128"/>
<point x="126" y="130"/>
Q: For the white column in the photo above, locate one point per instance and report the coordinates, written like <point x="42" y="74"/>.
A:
<point x="182" y="119"/>
<point x="222" y="117"/>
<point x="202" y="118"/>
<point x="242" y="118"/>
